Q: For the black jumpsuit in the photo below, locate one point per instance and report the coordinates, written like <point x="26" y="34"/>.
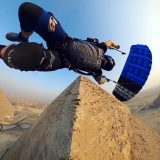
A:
<point x="26" y="56"/>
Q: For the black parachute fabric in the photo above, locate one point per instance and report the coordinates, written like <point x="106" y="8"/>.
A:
<point x="135" y="73"/>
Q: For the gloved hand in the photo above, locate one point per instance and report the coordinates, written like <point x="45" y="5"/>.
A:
<point x="112" y="44"/>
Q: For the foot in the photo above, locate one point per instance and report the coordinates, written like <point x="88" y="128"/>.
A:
<point x="15" y="37"/>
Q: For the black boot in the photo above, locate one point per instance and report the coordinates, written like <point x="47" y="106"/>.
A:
<point x="16" y="37"/>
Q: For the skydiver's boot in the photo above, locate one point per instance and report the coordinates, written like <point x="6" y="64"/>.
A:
<point x="16" y="37"/>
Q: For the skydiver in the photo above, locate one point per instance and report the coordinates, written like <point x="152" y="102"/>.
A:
<point x="63" y="51"/>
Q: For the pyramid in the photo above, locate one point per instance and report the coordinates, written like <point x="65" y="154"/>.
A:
<point x="6" y="108"/>
<point x="156" y="102"/>
<point x="86" y="123"/>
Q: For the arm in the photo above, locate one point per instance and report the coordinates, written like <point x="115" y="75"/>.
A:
<point x="31" y="57"/>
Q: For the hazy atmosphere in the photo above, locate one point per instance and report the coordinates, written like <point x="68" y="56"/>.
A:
<point x="84" y="122"/>
<point x="125" y="22"/>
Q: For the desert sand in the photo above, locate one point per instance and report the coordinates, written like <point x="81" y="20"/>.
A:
<point x="86" y="123"/>
<point x="6" y="109"/>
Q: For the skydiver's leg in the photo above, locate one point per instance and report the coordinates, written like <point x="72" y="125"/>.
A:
<point x="30" y="57"/>
<point x="28" y="14"/>
<point x="34" y="18"/>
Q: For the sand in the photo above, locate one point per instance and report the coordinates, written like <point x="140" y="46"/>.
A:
<point x="6" y="109"/>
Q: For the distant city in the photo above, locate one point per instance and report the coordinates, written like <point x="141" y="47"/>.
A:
<point x="21" y="101"/>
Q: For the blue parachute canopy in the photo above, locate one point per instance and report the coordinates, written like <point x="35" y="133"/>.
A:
<point x="135" y="73"/>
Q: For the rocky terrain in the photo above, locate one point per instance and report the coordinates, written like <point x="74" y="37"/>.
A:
<point x="146" y="106"/>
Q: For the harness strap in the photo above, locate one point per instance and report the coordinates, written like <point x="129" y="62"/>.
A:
<point x="82" y="72"/>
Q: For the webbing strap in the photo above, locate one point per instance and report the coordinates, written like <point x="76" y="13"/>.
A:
<point x="82" y="72"/>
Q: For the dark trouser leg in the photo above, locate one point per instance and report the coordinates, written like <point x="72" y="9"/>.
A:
<point x="34" y="18"/>
<point x="30" y="57"/>
<point x="28" y="14"/>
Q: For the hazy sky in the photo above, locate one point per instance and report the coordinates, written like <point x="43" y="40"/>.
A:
<point x="127" y="22"/>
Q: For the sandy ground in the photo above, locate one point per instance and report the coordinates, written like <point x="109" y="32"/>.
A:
<point x="8" y="137"/>
<point x="6" y="107"/>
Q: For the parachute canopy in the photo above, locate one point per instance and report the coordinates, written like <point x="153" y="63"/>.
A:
<point x="135" y="73"/>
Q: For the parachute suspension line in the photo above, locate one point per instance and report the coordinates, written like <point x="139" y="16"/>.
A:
<point x="113" y="81"/>
<point x="117" y="50"/>
<point x="118" y="82"/>
<point x="110" y="80"/>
